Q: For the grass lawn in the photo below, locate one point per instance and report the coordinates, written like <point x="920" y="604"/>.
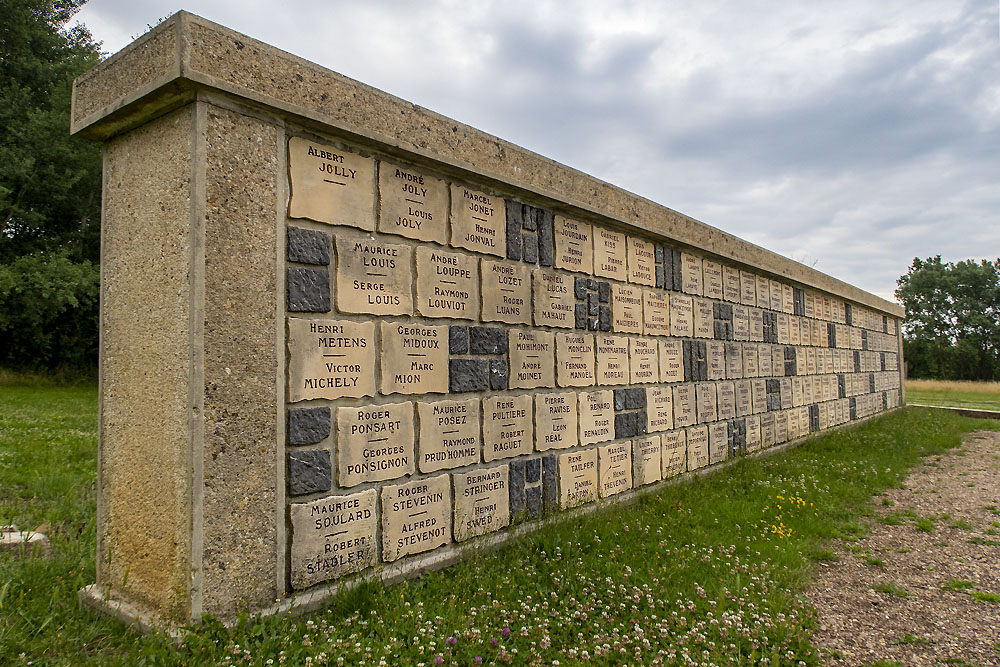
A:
<point x="978" y="395"/>
<point x="706" y="571"/>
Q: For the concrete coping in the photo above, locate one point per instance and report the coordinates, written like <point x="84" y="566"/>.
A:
<point x="186" y="54"/>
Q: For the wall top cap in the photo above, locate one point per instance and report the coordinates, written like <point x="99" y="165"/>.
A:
<point x="186" y="54"/>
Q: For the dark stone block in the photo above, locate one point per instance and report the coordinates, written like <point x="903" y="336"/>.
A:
<point x="717" y="310"/>
<point x="857" y="361"/>
<point x="702" y="370"/>
<point x="720" y="330"/>
<point x="546" y="238"/>
<point x="882" y="361"/>
<point x="468" y="375"/>
<point x="641" y="422"/>
<point x="533" y="470"/>
<point x="308" y="290"/>
<point x="517" y="473"/>
<point x="592" y="304"/>
<point x="727" y="311"/>
<point x="487" y="340"/>
<point x="580" y="288"/>
<point x="593" y="323"/>
<point x="458" y="340"/>
<point x="498" y="374"/>
<point x="307" y="426"/>
<point x="591" y="284"/>
<point x="530" y="215"/>
<point x="659" y="275"/>
<point x="789" y="353"/>
<point x="635" y="398"/>
<point x="308" y="246"/>
<point x="309" y="471"/>
<point x="604" y="318"/>
<point x="658" y="253"/>
<point x="580" y="315"/>
<point x="604" y="291"/>
<point x="550" y="484"/>
<point x="516" y="502"/>
<point x="530" y="254"/>
<point x="625" y="425"/>
<point x="514" y="219"/>
<point x="533" y="502"/>
<point x="849" y="318"/>
<point x="619" y="395"/>
<point x="885" y="324"/>
<point x="687" y="355"/>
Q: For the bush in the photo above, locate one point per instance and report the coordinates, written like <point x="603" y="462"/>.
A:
<point x="49" y="313"/>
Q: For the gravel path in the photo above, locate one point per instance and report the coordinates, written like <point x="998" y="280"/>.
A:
<point x="907" y="592"/>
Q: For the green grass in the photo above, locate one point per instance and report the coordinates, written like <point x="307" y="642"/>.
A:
<point x="912" y="640"/>
<point x="973" y="395"/>
<point x="986" y="597"/>
<point x="958" y="585"/>
<point x="734" y="547"/>
<point x="890" y="588"/>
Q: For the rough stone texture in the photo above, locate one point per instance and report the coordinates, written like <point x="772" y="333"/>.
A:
<point x="458" y="340"/>
<point x="533" y="502"/>
<point x="550" y="485"/>
<point x="533" y="470"/>
<point x="309" y="471"/>
<point x="498" y="374"/>
<point x="144" y="494"/>
<point x="307" y="426"/>
<point x="468" y="375"/>
<point x="487" y="340"/>
<point x="240" y="458"/>
<point x="308" y="290"/>
<point x="308" y="246"/>
<point x="546" y="238"/>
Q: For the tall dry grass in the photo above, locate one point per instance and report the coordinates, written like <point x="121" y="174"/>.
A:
<point x="954" y="385"/>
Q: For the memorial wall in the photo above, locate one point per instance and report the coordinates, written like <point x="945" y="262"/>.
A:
<point x="342" y="335"/>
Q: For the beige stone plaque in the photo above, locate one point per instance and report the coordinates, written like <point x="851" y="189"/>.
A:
<point x="646" y="460"/>
<point x="507" y="427"/>
<point x="532" y="358"/>
<point x="726" y="392"/>
<point x="794" y="330"/>
<point x="764" y="360"/>
<point x="574" y="245"/>
<point x="731" y="284"/>
<point x="414" y="359"/>
<point x="482" y="501"/>
<point x="671" y="361"/>
<point x="697" y="447"/>
<point x="330" y="359"/>
<point x="554" y="302"/>
<point x="373" y="277"/>
<point x="707" y="402"/>
<point x="506" y="292"/>
<point x="748" y="288"/>
<point x="684" y="405"/>
<point x="716" y="352"/>
<point x="774" y="289"/>
<point x="718" y="442"/>
<point x="691" y="274"/>
<point x="412" y="204"/>
<point x="741" y="323"/>
<point x="744" y="399"/>
<point x="786" y="393"/>
<point x="330" y="185"/>
<point x="756" y="324"/>
<point x="612" y="359"/>
<point x="626" y="308"/>
<point x="763" y="288"/>
<point x="674" y="453"/>
<point x="449" y="434"/>
<point x="641" y="262"/>
<point x="597" y="416"/>
<point x="374" y="443"/>
<point x="713" y="279"/>
<point x="577" y="478"/>
<point x="575" y="360"/>
<point x="751" y="363"/>
<point x="782" y="329"/>
<point x="416" y="517"/>
<point x="609" y="254"/>
<point x="478" y="221"/>
<point x="759" y="393"/>
<point x="614" y="468"/>
<point x="704" y="321"/>
<point x="556" y="421"/>
<point x="780" y="427"/>
<point x="787" y="299"/>
<point x="809" y="309"/>
<point x="659" y="409"/>
<point x="734" y="361"/>
<point x="332" y="537"/>
<point x="777" y="360"/>
<point x="655" y="313"/>
<point x="447" y="284"/>
<point x="753" y="433"/>
<point x="644" y="360"/>
<point x="681" y="316"/>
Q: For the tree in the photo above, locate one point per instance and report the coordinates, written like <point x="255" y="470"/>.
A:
<point x="50" y="185"/>
<point x="952" y="327"/>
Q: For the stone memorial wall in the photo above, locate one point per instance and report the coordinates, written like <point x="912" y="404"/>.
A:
<point x="343" y="337"/>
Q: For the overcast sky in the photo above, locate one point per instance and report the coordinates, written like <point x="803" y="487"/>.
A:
<point x="852" y="136"/>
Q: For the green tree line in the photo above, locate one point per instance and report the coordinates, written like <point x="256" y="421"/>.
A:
<point x="952" y="326"/>
<point x="50" y="191"/>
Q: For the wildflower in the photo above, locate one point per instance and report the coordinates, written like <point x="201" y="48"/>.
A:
<point x="438" y="660"/>
<point x="450" y="641"/>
